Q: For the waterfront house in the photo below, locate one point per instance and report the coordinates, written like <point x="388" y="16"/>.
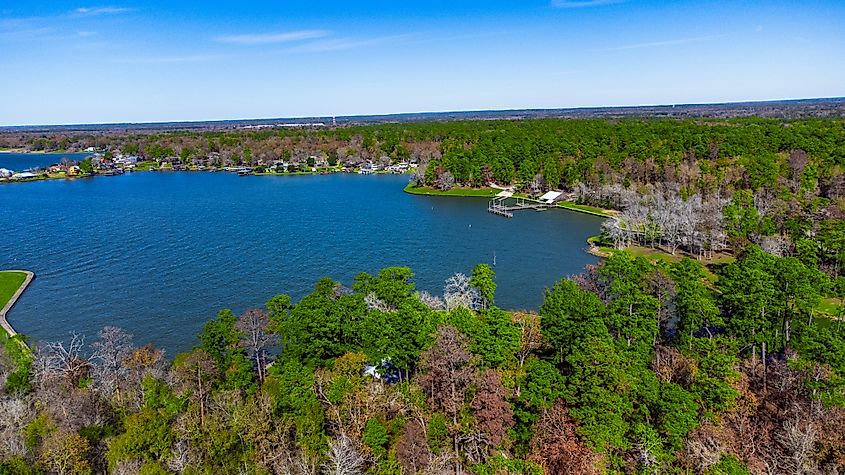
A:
<point x="6" y="173"/>
<point x="368" y="169"/>
<point x="126" y="161"/>
<point x="399" y="168"/>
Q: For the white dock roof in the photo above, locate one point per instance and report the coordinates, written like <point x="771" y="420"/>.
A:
<point x="550" y="196"/>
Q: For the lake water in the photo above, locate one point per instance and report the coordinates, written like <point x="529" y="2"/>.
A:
<point x="24" y="161"/>
<point x="158" y="253"/>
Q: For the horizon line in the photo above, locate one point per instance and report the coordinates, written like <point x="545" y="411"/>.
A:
<point x="428" y="112"/>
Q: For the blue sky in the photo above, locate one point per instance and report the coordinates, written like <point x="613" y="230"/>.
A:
<point x="125" y="60"/>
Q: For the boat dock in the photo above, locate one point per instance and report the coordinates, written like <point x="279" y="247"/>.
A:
<point x="500" y="207"/>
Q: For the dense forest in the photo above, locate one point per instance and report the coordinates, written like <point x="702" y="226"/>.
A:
<point x="631" y="367"/>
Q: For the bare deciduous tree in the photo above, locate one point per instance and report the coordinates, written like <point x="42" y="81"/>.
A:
<point x="799" y="440"/>
<point x="256" y="338"/>
<point x="375" y="303"/>
<point x="412" y="448"/>
<point x="63" y="360"/>
<point x="448" y="372"/>
<point x="111" y="350"/>
<point x="432" y="301"/>
<point x="492" y="410"/>
<point x="180" y="456"/>
<point x="344" y="458"/>
<point x="556" y="446"/>
<point x="664" y="218"/>
<point x="15" y="415"/>
<point x="458" y="293"/>
<point x="418" y="175"/>
<point x="446" y="181"/>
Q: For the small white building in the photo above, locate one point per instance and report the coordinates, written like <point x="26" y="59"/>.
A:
<point x="550" y="197"/>
<point x="6" y="173"/>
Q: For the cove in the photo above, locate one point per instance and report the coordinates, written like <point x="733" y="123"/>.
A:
<point x="159" y="253"/>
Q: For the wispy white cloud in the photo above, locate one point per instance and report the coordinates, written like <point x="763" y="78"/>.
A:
<point x="168" y="59"/>
<point x="341" y="44"/>
<point x="97" y="11"/>
<point x="86" y="34"/>
<point x="657" y="44"/>
<point x="583" y="3"/>
<point x="24" y="33"/>
<point x="268" y="38"/>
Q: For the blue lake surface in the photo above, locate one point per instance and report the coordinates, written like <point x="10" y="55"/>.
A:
<point x="159" y="253"/>
<point x="24" y="161"/>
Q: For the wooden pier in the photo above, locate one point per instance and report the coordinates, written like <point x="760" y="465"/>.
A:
<point x="499" y="207"/>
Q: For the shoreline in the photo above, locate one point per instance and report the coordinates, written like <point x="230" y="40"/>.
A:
<point x="483" y="192"/>
<point x="61" y="176"/>
<point x="4" y="322"/>
<point x="23" y="151"/>
<point x="487" y="192"/>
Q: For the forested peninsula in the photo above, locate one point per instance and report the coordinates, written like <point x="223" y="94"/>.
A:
<point x="631" y="367"/>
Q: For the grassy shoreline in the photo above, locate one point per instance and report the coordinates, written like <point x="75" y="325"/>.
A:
<point x="604" y="213"/>
<point x="458" y="191"/>
<point x="13" y="283"/>
<point x="488" y="192"/>
<point x="10" y="282"/>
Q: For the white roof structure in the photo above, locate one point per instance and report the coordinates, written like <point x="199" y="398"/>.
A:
<point x="504" y="194"/>
<point x="550" y="197"/>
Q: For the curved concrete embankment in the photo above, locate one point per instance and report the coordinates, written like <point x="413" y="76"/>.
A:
<point x="3" y="322"/>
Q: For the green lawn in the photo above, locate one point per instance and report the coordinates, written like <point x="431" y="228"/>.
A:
<point x="10" y="282"/>
<point x="584" y="208"/>
<point x="145" y="165"/>
<point x="427" y="190"/>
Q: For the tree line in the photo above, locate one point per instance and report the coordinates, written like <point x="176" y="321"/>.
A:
<point x="630" y="367"/>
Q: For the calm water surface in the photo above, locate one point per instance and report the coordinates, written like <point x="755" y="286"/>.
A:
<point x="160" y="253"/>
<point x="24" y="161"/>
